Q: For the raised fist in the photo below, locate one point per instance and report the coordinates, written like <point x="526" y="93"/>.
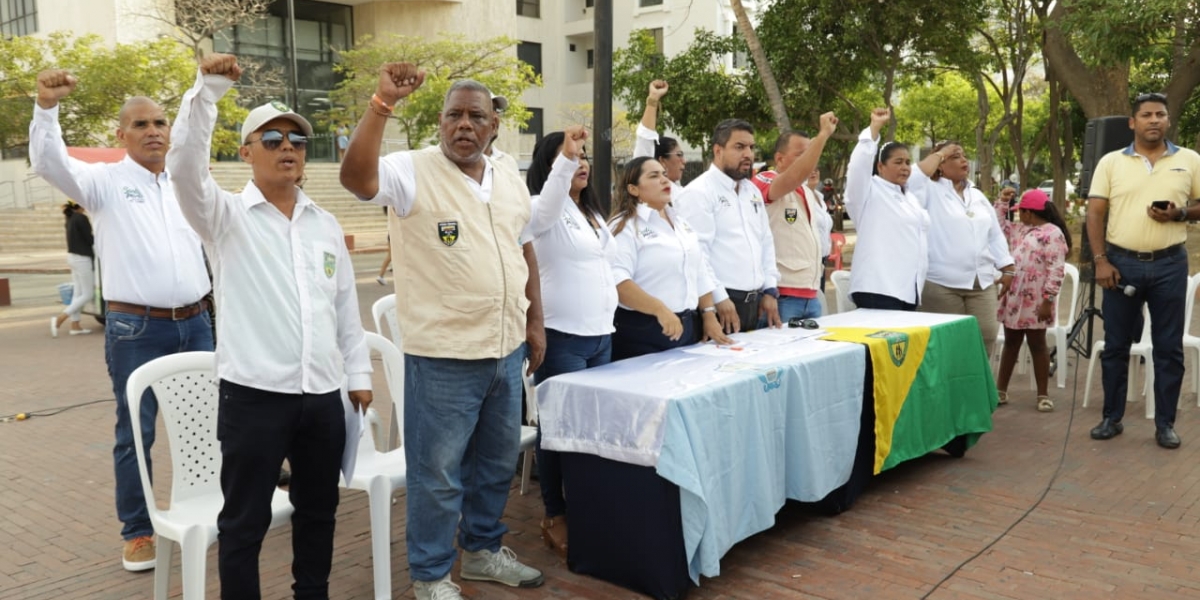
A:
<point x="880" y="116"/>
<point x="658" y="89"/>
<point x="829" y="123"/>
<point x="397" y="80"/>
<point x="53" y="85"/>
<point x="573" y="139"/>
<point x="221" y="64"/>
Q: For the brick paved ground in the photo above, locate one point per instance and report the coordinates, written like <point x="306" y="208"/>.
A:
<point x="1119" y="522"/>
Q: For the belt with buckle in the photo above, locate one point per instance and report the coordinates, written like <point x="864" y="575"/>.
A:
<point x="178" y="313"/>
<point x="1146" y="256"/>
<point x="746" y="297"/>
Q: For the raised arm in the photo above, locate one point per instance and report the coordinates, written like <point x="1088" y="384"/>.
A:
<point x="549" y="206"/>
<point x="647" y="133"/>
<point x="862" y="161"/>
<point x="360" y="166"/>
<point x="47" y="151"/>
<point x="203" y="203"/>
<point x="797" y="173"/>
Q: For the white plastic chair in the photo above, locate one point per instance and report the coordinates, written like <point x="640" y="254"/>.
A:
<point x="186" y="389"/>
<point x="529" y="430"/>
<point x="381" y="474"/>
<point x="1062" y="325"/>
<point x="1191" y="343"/>
<point x="384" y="314"/>
<point x="1142" y="348"/>
<point x="841" y="282"/>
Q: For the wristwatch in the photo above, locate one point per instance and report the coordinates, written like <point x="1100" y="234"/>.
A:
<point x="709" y="309"/>
<point x="1182" y="215"/>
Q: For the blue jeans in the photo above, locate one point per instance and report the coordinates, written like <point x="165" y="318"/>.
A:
<point x="805" y="308"/>
<point x="462" y="435"/>
<point x="565" y="353"/>
<point x="131" y="341"/>
<point x="1162" y="287"/>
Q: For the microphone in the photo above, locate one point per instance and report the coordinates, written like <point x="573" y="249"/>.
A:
<point x="1129" y="290"/>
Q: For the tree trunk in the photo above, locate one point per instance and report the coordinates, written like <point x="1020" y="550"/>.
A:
<point x="764" y="68"/>
<point x="1100" y="91"/>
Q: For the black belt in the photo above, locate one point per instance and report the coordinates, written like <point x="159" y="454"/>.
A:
<point x="746" y="297"/>
<point x="178" y="313"/>
<point x="1146" y="256"/>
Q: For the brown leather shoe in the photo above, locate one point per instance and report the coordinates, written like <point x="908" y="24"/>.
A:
<point x="554" y="533"/>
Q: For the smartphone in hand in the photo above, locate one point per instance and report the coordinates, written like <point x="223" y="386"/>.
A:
<point x="1161" y="204"/>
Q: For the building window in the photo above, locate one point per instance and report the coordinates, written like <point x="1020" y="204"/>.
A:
<point x="591" y="54"/>
<point x="650" y="2"/>
<point x="529" y="8"/>
<point x="589" y="3"/>
<point x="740" y="59"/>
<point x="657" y="34"/>
<point x="18" y="17"/>
<point x="531" y="54"/>
<point x="534" y="124"/>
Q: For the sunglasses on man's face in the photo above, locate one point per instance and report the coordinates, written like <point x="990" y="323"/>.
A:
<point x="272" y="139"/>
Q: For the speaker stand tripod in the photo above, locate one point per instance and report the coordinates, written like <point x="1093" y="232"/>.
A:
<point x="1084" y="324"/>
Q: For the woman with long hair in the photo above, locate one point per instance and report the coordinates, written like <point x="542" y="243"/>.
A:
<point x="579" y="294"/>
<point x="891" y="255"/>
<point x="79" y="257"/>
<point x="966" y="244"/>
<point x="1040" y="244"/>
<point x="663" y="280"/>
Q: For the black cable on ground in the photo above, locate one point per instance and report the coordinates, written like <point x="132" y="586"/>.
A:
<point x="1045" y="492"/>
<point x="49" y="412"/>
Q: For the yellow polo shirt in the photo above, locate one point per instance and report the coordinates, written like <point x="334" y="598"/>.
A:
<point x="1129" y="183"/>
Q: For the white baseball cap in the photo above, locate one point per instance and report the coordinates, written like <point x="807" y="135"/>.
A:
<point x="499" y="103"/>
<point x="269" y="112"/>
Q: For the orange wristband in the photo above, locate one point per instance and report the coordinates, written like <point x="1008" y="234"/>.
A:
<point x="377" y="104"/>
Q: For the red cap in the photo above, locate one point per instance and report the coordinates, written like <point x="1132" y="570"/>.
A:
<point x="1034" y="199"/>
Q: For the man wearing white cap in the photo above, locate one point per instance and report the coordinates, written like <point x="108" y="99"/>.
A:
<point x="289" y="332"/>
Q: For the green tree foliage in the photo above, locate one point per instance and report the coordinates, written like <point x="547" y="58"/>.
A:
<point x="445" y="59"/>
<point x="161" y="70"/>
<point x="943" y="108"/>
<point x="703" y="90"/>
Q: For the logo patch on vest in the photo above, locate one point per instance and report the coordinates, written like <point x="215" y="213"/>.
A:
<point x="330" y="264"/>
<point x="897" y="344"/>
<point x="448" y="231"/>
<point x="789" y="215"/>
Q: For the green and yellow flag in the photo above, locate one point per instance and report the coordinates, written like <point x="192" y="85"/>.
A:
<point x="920" y="404"/>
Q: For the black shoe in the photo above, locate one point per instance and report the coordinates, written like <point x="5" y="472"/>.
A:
<point x="1107" y="429"/>
<point x="1167" y="438"/>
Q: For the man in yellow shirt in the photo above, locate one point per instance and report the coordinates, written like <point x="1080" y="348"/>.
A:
<point x="1144" y="191"/>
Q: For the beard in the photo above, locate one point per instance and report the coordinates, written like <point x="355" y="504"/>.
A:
<point x="737" y="173"/>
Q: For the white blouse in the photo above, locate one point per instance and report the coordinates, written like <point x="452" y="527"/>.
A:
<point x="579" y="295"/>
<point x="666" y="262"/>
<point x="891" y="256"/>
<point x="967" y="242"/>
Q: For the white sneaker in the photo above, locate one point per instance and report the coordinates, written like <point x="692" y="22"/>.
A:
<point x="381" y="280"/>
<point x="442" y="589"/>
<point x="53" y="326"/>
<point x="80" y="331"/>
<point x="501" y="567"/>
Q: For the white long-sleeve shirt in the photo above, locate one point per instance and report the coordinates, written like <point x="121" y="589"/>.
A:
<point x="965" y="241"/>
<point x="822" y="223"/>
<point x="667" y="262"/>
<point x="148" y="254"/>
<point x="891" y="256"/>
<point x="579" y="295"/>
<point x="731" y="222"/>
<point x="285" y="287"/>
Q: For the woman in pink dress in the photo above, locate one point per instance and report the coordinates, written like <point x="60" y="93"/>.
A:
<point x="1040" y="242"/>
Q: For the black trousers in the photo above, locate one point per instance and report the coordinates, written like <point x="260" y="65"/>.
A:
<point x="747" y="307"/>
<point x="639" y="333"/>
<point x="881" y="302"/>
<point x="257" y="430"/>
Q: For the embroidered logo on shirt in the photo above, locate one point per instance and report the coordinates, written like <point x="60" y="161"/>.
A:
<point x="448" y="231"/>
<point x="897" y="344"/>
<point x="648" y="233"/>
<point x="570" y="222"/>
<point x="789" y="215"/>
<point x="330" y="264"/>
<point x="724" y="202"/>
<point x="133" y="194"/>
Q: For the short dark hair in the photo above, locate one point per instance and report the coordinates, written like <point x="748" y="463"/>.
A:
<point x="781" y="142"/>
<point x="1141" y="99"/>
<point x="664" y="146"/>
<point x="725" y="129"/>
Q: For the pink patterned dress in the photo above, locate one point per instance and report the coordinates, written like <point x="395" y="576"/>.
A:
<point x="1039" y="254"/>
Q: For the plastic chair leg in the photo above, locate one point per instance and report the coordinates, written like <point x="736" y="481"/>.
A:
<point x="163" y="548"/>
<point x="1097" y="348"/>
<point x="193" y="555"/>
<point x="526" y="468"/>
<point x="379" y="495"/>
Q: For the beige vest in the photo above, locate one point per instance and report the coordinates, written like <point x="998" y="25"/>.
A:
<point x="460" y="272"/>
<point x="797" y="250"/>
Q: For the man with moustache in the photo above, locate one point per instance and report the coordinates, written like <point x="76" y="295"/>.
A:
<point x="153" y="275"/>
<point x="1145" y="192"/>
<point x="728" y="214"/>
<point x="462" y="304"/>
<point x="289" y="333"/>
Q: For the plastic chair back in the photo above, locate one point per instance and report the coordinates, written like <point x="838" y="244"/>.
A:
<point x="393" y="370"/>
<point x="841" y="283"/>
<point x="384" y="313"/>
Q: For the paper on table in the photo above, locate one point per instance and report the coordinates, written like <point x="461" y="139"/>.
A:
<point x="354" y="431"/>
<point x="710" y="349"/>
